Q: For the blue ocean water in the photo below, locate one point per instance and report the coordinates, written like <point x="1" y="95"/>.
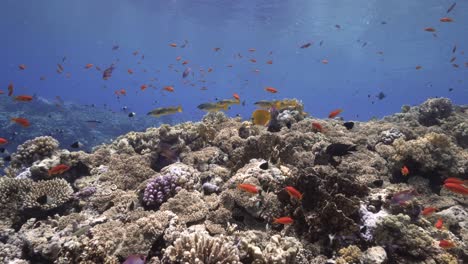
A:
<point x="370" y="46"/>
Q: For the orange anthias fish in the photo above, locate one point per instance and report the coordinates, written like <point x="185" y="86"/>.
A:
<point x="22" y="67"/>
<point x="439" y="224"/>
<point x="130" y="71"/>
<point x="271" y="89"/>
<point x="334" y="113"/>
<point x="253" y="60"/>
<point x="293" y="192"/>
<point x="455" y="180"/>
<point x="10" y="89"/>
<point x="3" y="141"/>
<point x="286" y="220"/>
<point x="210" y="69"/>
<point x="269" y="62"/>
<point x="59" y="169"/>
<point x="325" y="61"/>
<point x="248" y="188"/>
<point x="404" y="171"/>
<point x="185" y="62"/>
<point x="428" y="211"/>
<point x="236" y="96"/>
<point x="317" y="126"/>
<point x="446" y="19"/>
<point x="429" y="29"/>
<point x="418" y="67"/>
<point x="174" y="45"/>
<point x="23" y="98"/>
<point x="216" y="49"/>
<point x="446" y="244"/>
<point x="456" y="188"/>
<point x="178" y="58"/>
<point x="252" y="50"/>
<point x="169" y="88"/>
<point x="21" y="121"/>
<point x="88" y="66"/>
<point x="143" y="87"/>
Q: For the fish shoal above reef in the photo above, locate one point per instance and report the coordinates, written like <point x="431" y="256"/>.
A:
<point x="223" y="190"/>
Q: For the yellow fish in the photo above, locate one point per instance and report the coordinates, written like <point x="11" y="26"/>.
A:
<point x="261" y="117"/>
<point x="212" y="107"/>
<point x="165" y="111"/>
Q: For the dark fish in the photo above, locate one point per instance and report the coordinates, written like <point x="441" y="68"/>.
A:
<point x="451" y="7"/>
<point x="93" y="121"/>
<point x="349" y="125"/>
<point x="115" y="47"/>
<point x="450" y="89"/>
<point x="186" y="72"/>
<point x="76" y="144"/>
<point x="124" y="108"/>
<point x="454" y="49"/>
<point x="306" y="45"/>
<point x="321" y="43"/>
<point x="340" y="149"/>
<point x="7" y="158"/>
<point x="380" y="96"/>
<point x="2" y="150"/>
<point x="59" y="68"/>
<point x="274" y="125"/>
<point x="364" y="44"/>
<point x="338" y="26"/>
<point x="453" y="59"/>
<point x="383" y="22"/>
<point x="131" y="114"/>
<point x="108" y="72"/>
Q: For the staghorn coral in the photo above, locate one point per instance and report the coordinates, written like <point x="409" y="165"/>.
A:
<point x="199" y="248"/>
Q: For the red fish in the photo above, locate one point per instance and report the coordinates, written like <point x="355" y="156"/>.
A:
<point x="236" y="96"/>
<point x="456" y="188"/>
<point x="59" y="169"/>
<point x="429" y="29"/>
<point x="143" y="87"/>
<point x="446" y="244"/>
<point x="169" y="88"/>
<point x="455" y="180"/>
<point x="130" y="71"/>
<point x="269" y="62"/>
<point x="210" y="69"/>
<point x="253" y="60"/>
<point x="428" y="211"/>
<point x="174" y="45"/>
<point x="10" y="89"/>
<point x="216" y="49"/>
<point x="178" y="58"/>
<point x="23" y="98"/>
<point x="446" y="19"/>
<point x="271" y="89"/>
<point x="439" y="224"/>
<point x="248" y="188"/>
<point x="286" y="220"/>
<point x="334" y="113"/>
<point x="22" y="67"/>
<point x="185" y="62"/>
<point x="293" y="192"/>
<point x="404" y="171"/>
<point x="3" y="141"/>
<point x="418" y="67"/>
<point x="317" y="126"/>
<point x="88" y="66"/>
<point x="325" y="61"/>
<point x="21" y="121"/>
<point x="252" y="50"/>
<point x="59" y="68"/>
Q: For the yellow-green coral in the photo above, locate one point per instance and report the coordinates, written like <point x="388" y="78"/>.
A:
<point x="351" y="254"/>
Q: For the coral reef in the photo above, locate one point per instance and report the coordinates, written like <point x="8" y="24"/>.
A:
<point x="171" y="194"/>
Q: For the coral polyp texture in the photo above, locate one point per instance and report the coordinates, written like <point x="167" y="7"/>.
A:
<point x="224" y="190"/>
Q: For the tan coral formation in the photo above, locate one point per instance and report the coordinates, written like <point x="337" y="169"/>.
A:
<point x="95" y="212"/>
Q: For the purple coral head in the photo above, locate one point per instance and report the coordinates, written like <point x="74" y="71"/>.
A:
<point x="135" y="259"/>
<point x="160" y="189"/>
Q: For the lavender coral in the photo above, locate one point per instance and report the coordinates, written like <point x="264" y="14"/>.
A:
<point x="160" y="189"/>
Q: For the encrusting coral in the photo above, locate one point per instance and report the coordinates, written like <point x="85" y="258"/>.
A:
<point x="226" y="191"/>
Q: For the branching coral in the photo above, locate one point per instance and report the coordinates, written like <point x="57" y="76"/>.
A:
<point x="199" y="248"/>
